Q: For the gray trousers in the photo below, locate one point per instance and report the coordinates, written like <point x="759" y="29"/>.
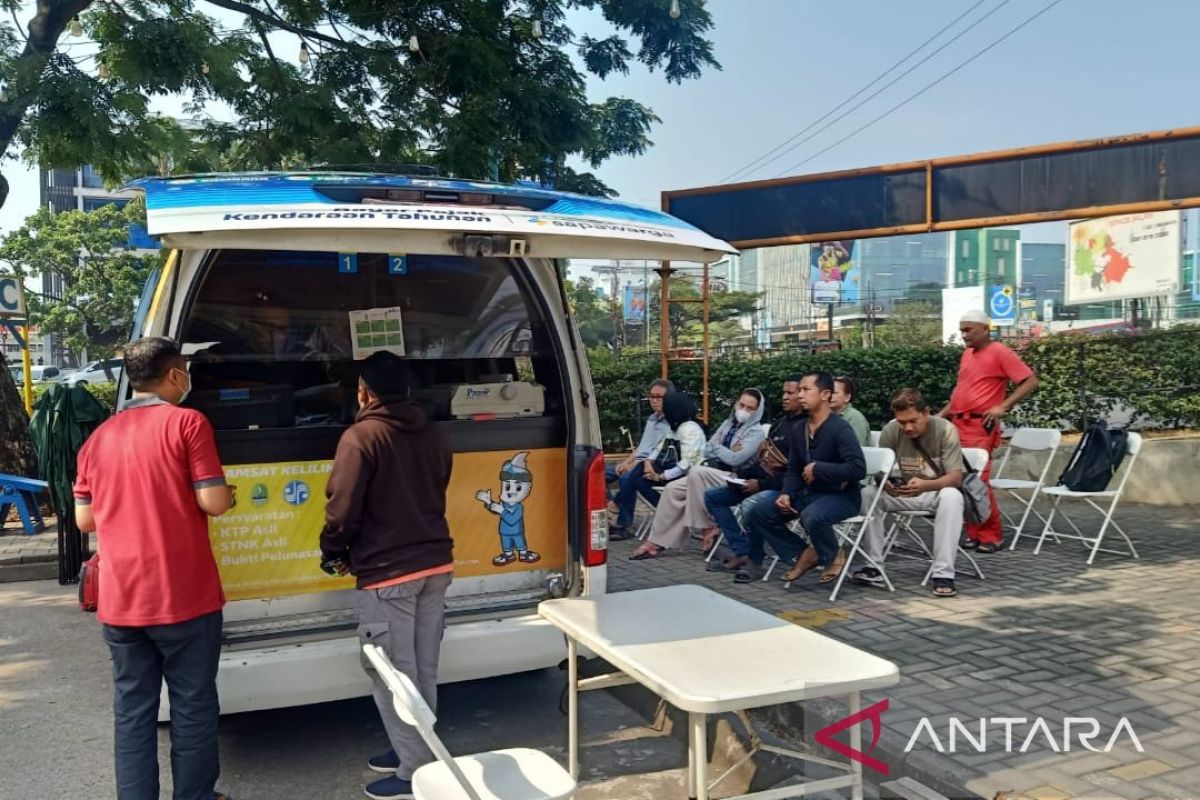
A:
<point x="947" y="506"/>
<point x="406" y="621"/>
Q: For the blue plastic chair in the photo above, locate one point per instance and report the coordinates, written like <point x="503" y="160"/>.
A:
<point x="22" y="493"/>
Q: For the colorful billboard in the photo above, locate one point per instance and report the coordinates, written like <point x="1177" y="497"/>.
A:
<point x="635" y="305"/>
<point x="1113" y="258"/>
<point x="834" y="273"/>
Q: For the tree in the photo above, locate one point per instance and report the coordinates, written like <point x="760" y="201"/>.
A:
<point x="911" y="324"/>
<point x="473" y="88"/>
<point x="102" y="278"/>
<point x="484" y="88"/>
<point x="592" y="316"/>
<point x="687" y="318"/>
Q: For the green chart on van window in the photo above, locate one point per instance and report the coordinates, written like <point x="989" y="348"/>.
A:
<point x="377" y="330"/>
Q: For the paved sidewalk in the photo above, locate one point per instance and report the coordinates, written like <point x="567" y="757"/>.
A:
<point x="18" y="548"/>
<point x="1043" y="636"/>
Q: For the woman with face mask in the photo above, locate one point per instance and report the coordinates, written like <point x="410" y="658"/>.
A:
<point x="681" y="508"/>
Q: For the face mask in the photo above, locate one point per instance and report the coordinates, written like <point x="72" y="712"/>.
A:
<point x="741" y="415"/>
<point x="183" y="397"/>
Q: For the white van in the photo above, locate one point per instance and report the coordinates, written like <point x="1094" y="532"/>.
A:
<point x="277" y="284"/>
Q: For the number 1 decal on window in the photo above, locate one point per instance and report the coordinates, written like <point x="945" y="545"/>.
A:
<point x="347" y="262"/>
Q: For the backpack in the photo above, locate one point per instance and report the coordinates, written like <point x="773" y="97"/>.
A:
<point x="1096" y="459"/>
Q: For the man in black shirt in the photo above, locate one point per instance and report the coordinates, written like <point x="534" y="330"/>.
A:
<point x="763" y="482"/>
<point x="821" y="487"/>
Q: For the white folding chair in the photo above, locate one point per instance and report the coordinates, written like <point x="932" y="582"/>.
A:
<point x="878" y="460"/>
<point x="873" y="439"/>
<point x="1037" y="440"/>
<point x="978" y="458"/>
<point x="1060" y="493"/>
<point x="902" y="521"/>
<point x="515" y="774"/>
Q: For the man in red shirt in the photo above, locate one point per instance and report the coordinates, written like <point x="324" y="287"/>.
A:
<point x="148" y="479"/>
<point x="979" y="402"/>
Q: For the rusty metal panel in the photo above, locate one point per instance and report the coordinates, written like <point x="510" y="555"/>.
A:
<point x="1141" y="172"/>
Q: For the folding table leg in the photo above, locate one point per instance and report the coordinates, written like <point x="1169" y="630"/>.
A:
<point x="854" y="706"/>
<point x="697" y="756"/>
<point x="572" y="708"/>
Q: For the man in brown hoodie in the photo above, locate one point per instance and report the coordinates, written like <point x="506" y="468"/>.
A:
<point x="385" y="523"/>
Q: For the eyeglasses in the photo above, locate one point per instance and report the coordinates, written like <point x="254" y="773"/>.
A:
<point x="657" y="396"/>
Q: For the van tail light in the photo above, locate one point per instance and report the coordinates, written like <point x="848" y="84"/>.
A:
<point x="596" y="522"/>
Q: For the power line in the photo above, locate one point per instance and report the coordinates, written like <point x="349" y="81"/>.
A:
<point x="920" y="92"/>
<point x="760" y="160"/>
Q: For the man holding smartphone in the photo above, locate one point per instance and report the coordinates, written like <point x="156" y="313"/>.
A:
<point x="930" y="461"/>
<point x="979" y="403"/>
<point x="385" y="523"/>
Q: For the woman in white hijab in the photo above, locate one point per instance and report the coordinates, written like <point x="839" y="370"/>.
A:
<point x="681" y="509"/>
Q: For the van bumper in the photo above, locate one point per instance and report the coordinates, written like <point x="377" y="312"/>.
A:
<point x="285" y="675"/>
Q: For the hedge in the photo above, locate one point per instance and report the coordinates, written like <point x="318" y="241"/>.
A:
<point x="106" y="393"/>
<point x="1153" y="377"/>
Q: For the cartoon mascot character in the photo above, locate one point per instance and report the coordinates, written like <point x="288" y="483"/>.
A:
<point x="516" y="482"/>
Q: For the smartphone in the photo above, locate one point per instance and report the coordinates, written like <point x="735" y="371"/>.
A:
<point x="332" y="566"/>
<point x="896" y="480"/>
<point x="989" y="424"/>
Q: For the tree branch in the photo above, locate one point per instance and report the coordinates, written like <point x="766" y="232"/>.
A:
<point x="47" y="25"/>
<point x="262" y="34"/>
<point x="276" y="21"/>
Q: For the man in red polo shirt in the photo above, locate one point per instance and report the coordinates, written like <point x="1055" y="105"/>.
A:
<point x="979" y="401"/>
<point x="148" y="479"/>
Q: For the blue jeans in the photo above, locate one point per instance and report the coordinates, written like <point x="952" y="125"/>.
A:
<point x="720" y="501"/>
<point x="629" y="486"/>
<point x="185" y="655"/>
<point x="819" y="512"/>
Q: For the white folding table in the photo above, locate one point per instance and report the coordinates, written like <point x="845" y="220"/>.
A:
<point x="705" y="653"/>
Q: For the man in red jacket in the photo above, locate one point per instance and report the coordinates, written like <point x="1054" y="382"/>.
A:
<point x="979" y="401"/>
<point x="147" y="481"/>
<point x="385" y="523"/>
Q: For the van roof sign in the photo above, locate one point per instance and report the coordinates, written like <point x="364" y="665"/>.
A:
<point x="324" y="210"/>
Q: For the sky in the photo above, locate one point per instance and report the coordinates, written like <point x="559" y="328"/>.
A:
<point x="1083" y="69"/>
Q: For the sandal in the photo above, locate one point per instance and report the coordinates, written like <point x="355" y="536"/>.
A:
<point x="834" y="569"/>
<point x="944" y="587"/>
<point x="987" y="547"/>
<point x="807" y="560"/>
<point x="652" y="551"/>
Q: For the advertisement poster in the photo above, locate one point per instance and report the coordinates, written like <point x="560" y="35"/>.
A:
<point x="267" y="545"/>
<point x="834" y="274"/>
<point x="1112" y="258"/>
<point x="635" y="305"/>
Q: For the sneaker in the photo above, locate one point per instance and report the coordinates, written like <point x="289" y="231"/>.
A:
<point x="750" y="573"/>
<point x="528" y="556"/>
<point x="731" y="564"/>
<point x="502" y="559"/>
<point x="386" y="763"/>
<point x="870" y="576"/>
<point x="392" y="788"/>
<point x="619" y="533"/>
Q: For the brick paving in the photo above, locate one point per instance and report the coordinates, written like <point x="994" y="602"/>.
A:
<point x="17" y="548"/>
<point x="1043" y="636"/>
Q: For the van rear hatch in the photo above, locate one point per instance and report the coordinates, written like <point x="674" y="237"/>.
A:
<point x="282" y="282"/>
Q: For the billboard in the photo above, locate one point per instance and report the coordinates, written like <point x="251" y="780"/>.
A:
<point x="834" y="275"/>
<point x="635" y="305"/>
<point x="1113" y="258"/>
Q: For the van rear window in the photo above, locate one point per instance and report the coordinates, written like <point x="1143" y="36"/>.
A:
<point x="278" y="323"/>
<point x="294" y="306"/>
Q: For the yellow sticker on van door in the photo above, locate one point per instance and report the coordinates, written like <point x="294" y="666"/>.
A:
<point x="506" y="509"/>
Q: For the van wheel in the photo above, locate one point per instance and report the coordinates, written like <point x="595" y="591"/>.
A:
<point x="81" y="383"/>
